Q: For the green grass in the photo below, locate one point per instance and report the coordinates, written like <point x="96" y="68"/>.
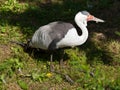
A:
<point x="92" y="66"/>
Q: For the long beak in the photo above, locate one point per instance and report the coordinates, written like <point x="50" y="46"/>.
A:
<point x="92" y="18"/>
<point x="98" y="20"/>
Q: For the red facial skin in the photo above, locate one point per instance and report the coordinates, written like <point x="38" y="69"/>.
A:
<point x="90" y="18"/>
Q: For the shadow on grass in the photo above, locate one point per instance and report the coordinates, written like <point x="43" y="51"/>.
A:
<point x="94" y="54"/>
<point x="108" y="29"/>
<point x="43" y="55"/>
<point x="34" y="17"/>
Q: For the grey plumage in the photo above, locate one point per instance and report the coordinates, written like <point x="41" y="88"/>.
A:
<point x="85" y="13"/>
<point x="48" y="35"/>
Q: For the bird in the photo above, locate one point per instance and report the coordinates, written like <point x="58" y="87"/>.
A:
<point x="59" y="34"/>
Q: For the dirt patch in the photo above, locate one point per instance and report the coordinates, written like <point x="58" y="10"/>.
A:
<point x="50" y="86"/>
<point x="4" y="52"/>
<point x="13" y="86"/>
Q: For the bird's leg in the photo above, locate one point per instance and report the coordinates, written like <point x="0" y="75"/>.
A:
<point x="62" y="56"/>
<point x="61" y="64"/>
<point x="51" y="63"/>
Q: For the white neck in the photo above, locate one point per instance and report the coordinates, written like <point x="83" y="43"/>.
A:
<point x="84" y="35"/>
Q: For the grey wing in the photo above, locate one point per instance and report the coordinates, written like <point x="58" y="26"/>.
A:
<point x="46" y="37"/>
<point x="58" y="31"/>
<point x="41" y="38"/>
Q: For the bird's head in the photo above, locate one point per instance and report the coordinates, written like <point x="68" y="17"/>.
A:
<point x="85" y="16"/>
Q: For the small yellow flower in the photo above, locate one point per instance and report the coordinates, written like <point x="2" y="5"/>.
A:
<point x="49" y="75"/>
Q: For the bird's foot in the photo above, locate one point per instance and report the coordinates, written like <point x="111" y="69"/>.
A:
<point x="69" y="79"/>
<point x="52" y="68"/>
<point x="62" y="64"/>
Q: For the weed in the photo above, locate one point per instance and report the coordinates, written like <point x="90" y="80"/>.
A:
<point x="2" y="78"/>
<point x="117" y="33"/>
<point x="23" y="85"/>
<point x="113" y="50"/>
<point x="12" y="5"/>
<point x="38" y="77"/>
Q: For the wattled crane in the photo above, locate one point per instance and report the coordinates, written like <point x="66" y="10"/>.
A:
<point x="60" y="34"/>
